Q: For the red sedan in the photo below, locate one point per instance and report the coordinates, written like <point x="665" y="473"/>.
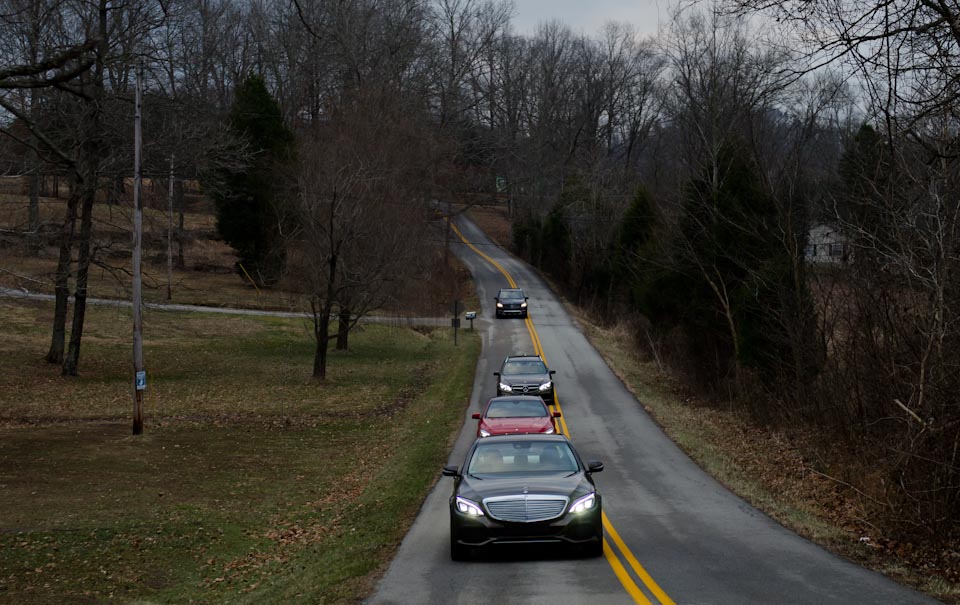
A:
<point x="515" y="414"/>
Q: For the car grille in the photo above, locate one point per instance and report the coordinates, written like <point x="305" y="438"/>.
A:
<point x="526" y="508"/>
<point x="526" y="388"/>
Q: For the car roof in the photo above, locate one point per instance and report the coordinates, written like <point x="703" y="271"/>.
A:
<point x="502" y="290"/>
<point x="524" y="437"/>
<point x="517" y="398"/>
<point x="523" y="356"/>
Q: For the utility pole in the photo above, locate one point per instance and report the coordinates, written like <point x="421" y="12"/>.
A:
<point x="140" y="376"/>
<point x="170" y="236"/>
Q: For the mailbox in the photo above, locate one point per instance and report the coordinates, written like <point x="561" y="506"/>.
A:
<point x="470" y="315"/>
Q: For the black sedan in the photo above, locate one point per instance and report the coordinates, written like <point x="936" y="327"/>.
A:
<point x="524" y="489"/>
<point x="525" y="375"/>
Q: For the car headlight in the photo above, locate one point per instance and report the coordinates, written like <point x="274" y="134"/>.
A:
<point x="484" y="433"/>
<point x="506" y="388"/>
<point x="582" y="505"/>
<point x="546" y="386"/>
<point x="468" y="508"/>
<point x="549" y="430"/>
<point x="523" y="305"/>
<point x="499" y="305"/>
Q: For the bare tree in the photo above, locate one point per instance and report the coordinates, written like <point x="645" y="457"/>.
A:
<point x="361" y="209"/>
<point x="724" y="225"/>
<point x="464" y="31"/>
<point x="891" y="314"/>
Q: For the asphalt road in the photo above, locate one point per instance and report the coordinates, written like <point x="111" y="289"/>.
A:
<point x="674" y="534"/>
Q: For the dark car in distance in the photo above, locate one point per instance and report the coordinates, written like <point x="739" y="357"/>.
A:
<point x="525" y="375"/>
<point x="511" y="302"/>
<point x="514" y="415"/>
<point x="524" y="489"/>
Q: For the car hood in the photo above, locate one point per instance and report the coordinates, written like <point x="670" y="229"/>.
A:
<point x="477" y="488"/>
<point x="513" y="379"/>
<point x="506" y="426"/>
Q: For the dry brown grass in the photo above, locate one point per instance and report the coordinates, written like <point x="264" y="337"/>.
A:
<point x="250" y="478"/>
<point x="777" y="471"/>
<point x="495" y="222"/>
<point x="207" y="279"/>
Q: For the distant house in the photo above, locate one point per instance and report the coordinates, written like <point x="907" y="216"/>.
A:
<point x="826" y="245"/>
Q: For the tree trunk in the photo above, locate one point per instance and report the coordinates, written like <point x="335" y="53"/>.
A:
<point x="446" y="234"/>
<point x="89" y="164"/>
<point x="178" y="198"/>
<point x="321" y="327"/>
<point x="72" y="360"/>
<point x="343" y="329"/>
<point x="33" y="210"/>
<point x="62" y="287"/>
<point x="172" y="186"/>
<point x="322" y="323"/>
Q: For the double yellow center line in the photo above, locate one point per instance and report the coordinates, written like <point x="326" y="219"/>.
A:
<point x="619" y="569"/>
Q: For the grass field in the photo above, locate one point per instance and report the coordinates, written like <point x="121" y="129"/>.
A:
<point x="251" y="484"/>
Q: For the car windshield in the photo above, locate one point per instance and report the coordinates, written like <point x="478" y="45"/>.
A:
<point x="523" y="457"/>
<point x="511" y="294"/>
<point x="516" y="408"/>
<point x="524" y="366"/>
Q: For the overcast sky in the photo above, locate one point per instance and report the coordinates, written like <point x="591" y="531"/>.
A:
<point x="588" y="16"/>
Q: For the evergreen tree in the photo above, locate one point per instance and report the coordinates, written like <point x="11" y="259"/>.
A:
<point x="249" y="202"/>
<point x="867" y="197"/>
<point x="635" y="231"/>
<point x="556" y="244"/>
<point x="734" y="280"/>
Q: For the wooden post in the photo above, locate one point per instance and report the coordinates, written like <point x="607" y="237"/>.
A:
<point x="170" y="236"/>
<point x="139" y="377"/>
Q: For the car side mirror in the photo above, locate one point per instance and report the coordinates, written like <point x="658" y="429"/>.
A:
<point x="453" y="471"/>
<point x="556" y="414"/>
<point x="476" y="416"/>
<point x="594" y="466"/>
<point x="526" y="298"/>
<point x="497" y="374"/>
<point x="552" y="372"/>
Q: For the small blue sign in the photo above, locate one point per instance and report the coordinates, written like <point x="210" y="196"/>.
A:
<point x="141" y="380"/>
